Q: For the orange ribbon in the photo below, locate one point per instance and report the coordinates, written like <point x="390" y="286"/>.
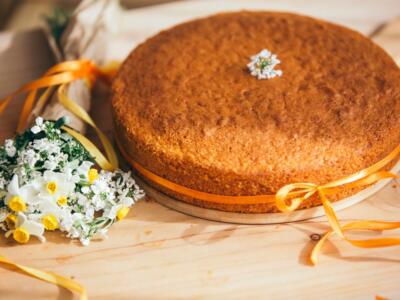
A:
<point x="291" y="196"/>
<point x="62" y="73"/>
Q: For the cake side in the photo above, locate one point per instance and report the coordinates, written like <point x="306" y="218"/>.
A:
<point x="186" y="108"/>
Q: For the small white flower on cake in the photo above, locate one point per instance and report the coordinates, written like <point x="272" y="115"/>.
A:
<point x="263" y="64"/>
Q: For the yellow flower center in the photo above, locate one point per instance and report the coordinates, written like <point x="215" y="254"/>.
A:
<point x="93" y="174"/>
<point x="10" y="220"/>
<point x="62" y="200"/>
<point x="122" y="212"/>
<point x="52" y="187"/>
<point x="21" y="235"/>
<point x="17" y="204"/>
<point x="50" y="222"/>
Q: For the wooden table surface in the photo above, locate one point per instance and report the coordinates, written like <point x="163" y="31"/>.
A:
<point x="157" y="253"/>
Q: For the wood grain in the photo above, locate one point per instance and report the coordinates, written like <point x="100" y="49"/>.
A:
<point x="157" y="253"/>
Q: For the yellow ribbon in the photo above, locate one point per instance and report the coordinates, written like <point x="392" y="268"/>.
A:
<point x="49" y="277"/>
<point x="362" y="178"/>
<point x="112" y="163"/>
<point x="360" y="225"/>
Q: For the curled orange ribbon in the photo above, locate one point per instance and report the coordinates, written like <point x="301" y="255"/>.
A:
<point x="62" y="73"/>
<point x="291" y="196"/>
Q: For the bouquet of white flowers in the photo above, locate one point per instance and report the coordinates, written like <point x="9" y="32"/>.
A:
<point x="48" y="182"/>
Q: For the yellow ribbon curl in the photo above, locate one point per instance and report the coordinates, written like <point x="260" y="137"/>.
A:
<point x="110" y="164"/>
<point x="49" y="277"/>
<point x="362" y="178"/>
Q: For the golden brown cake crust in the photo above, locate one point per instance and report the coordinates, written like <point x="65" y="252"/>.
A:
<point x="187" y="109"/>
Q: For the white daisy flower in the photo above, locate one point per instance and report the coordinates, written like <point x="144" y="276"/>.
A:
<point x="83" y="168"/>
<point x="18" y="197"/>
<point x="85" y="172"/>
<point x="263" y="64"/>
<point x="24" y="228"/>
<point x="56" y="186"/>
<point x="118" y="212"/>
<point x="51" y="214"/>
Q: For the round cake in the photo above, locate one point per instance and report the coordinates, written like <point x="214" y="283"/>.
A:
<point x="187" y="108"/>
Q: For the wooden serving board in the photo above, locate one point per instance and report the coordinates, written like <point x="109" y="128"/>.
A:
<point x="158" y="253"/>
